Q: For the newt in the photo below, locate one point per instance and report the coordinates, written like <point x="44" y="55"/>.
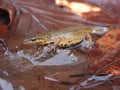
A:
<point x="67" y="37"/>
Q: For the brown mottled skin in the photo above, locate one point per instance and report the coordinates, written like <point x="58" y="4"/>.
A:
<point x="66" y="37"/>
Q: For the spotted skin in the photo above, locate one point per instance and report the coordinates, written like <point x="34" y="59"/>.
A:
<point x="66" y="37"/>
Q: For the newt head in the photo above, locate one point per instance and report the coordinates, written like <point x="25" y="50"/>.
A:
<point x="100" y="30"/>
<point x="35" y="40"/>
<point x="30" y="40"/>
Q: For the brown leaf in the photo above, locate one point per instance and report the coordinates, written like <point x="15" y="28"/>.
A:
<point x="105" y="57"/>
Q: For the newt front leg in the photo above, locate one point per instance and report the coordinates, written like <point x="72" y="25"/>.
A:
<point x="53" y="46"/>
<point x="49" y="51"/>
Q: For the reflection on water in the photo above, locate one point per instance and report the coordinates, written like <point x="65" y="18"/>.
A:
<point x="61" y="58"/>
<point x="25" y="59"/>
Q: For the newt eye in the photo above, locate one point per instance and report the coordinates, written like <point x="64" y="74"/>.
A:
<point x="33" y="39"/>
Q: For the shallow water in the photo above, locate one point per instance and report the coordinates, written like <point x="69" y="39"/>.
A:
<point x="61" y="58"/>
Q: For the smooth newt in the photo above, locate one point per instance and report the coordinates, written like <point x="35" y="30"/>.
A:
<point x="67" y="37"/>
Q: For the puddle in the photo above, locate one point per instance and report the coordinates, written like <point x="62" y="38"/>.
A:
<point x="61" y="58"/>
<point x="26" y="60"/>
<point x="22" y="61"/>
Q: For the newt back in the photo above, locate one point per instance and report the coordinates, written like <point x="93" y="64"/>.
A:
<point x="67" y="36"/>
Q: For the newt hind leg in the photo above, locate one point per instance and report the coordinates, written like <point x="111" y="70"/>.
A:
<point x="87" y="44"/>
<point x="89" y="41"/>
